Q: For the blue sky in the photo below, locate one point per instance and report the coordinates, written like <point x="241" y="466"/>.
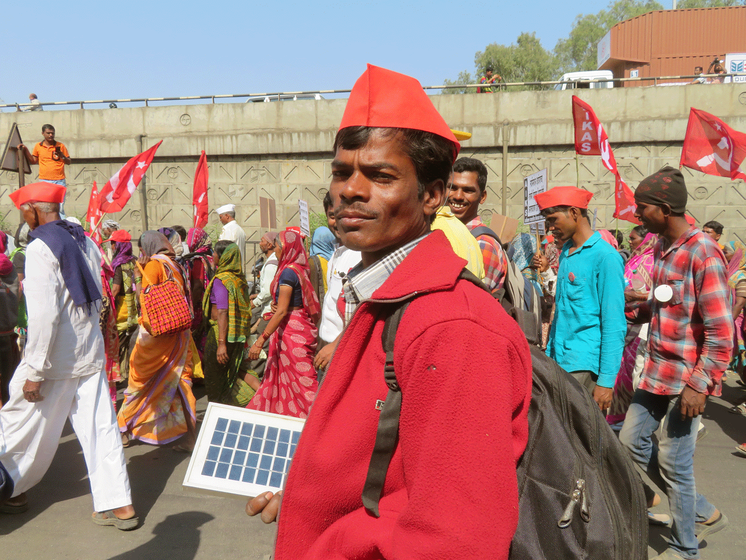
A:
<point x="85" y="50"/>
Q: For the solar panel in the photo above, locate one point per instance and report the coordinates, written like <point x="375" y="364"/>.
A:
<point x="241" y="451"/>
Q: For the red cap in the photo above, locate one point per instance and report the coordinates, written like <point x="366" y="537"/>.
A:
<point x="563" y="196"/>
<point x="120" y="235"/>
<point x="38" y="192"/>
<point x="295" y="229"/>
<point x="385" y="99"/>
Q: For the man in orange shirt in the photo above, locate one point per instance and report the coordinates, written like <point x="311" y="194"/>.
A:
<point x="52" y="156"/>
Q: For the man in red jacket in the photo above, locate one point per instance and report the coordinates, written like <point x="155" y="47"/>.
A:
<point x="463" y="365"/>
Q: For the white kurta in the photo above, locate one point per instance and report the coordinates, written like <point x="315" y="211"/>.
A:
<point x="264" y="299"/>
<point x="340" y="264"/>
<point x="65" y="351"/>
<point x="233" y="232"/>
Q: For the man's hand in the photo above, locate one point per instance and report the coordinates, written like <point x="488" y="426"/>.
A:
<point x="691" y="403"/>
<point x="252" y="297"/>
<point x="324" y="356"/>
<point x="267" y="504"/>
<point x="222" y="353"/>
<point x="602" y="396"/>
<point x="32" y="391"/>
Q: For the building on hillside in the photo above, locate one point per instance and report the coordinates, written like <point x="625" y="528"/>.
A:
<point x="672" y="43"/>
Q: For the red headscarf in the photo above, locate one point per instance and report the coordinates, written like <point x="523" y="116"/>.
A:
<point x="295" y="258"/>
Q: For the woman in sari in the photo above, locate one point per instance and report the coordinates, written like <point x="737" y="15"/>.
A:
<point x="290" y="384"/>
<point x="637" y="282"/>
<point x="159" y="406"/>
<point x="200" y="267"/>
<point x="123" y="291"/>
<point x="226" y="303"/>
<point x="108" y="324"/>
<point x="174" y="239"/>
<point x="735" y="254"/>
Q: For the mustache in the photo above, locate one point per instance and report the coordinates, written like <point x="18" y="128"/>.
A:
<point x="357" y="208"/>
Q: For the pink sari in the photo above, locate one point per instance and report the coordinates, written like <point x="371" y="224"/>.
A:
<point x="637" y="276"/>
<point x="290" y="384"/>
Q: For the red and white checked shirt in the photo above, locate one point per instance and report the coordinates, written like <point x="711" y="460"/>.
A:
<point x="495" y="260"/>
<point x="691" y="336"/>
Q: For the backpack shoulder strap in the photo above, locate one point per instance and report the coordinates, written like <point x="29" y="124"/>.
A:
<point x="471" y="277"/>
<point x="484" y="230"/>
<point x="388" y="422"/>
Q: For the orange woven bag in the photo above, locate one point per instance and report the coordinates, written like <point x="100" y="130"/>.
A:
<point x="164" y="305"/>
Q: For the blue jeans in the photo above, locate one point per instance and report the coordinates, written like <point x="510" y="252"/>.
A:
<point x="62" y="204"/>
<point x="671" y="465"/>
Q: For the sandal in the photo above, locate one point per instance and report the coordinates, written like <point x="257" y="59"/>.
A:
<point x="660" y="519"/>
<point x="12" y="509"/>
<point x="183" y="448"/>
<point x="125" y="440"/>
<point x="739" y="409"/>
<point x="109" y="519"/>
<point x="741" y="450"/>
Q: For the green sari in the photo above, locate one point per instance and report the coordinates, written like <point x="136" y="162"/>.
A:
<point x="222" y="381"/>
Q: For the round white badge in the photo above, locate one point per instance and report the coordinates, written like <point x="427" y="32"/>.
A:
<point x="663" y="293"/>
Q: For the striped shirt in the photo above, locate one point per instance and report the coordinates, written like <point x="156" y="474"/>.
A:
<point x="691" y="336"/>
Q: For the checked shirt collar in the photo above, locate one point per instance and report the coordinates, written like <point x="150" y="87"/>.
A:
<point x="360" y="283"/>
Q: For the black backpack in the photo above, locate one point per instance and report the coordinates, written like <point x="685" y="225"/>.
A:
<point x="579" y="493"/>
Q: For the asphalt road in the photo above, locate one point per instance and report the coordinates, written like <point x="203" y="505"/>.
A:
<point x="180" y="524"/>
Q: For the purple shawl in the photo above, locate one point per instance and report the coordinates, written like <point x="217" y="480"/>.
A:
<point x="123" y="254"/>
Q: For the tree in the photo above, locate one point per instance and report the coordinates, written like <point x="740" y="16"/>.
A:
<point x="684" y="4"/>
<point x="578" y="51"/>
<point x="464" y="78"/>
<point x="525" y="61"/>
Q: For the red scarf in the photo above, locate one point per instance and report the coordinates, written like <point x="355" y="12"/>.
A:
<point x="295" y="258"/>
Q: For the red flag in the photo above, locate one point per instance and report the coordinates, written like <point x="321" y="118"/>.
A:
<point x="591" y="140"/>
<point x="199" y="195"/>
<point x="118" y="190"/>
<point x="93" y="216"/>
<point x="712" y="147"/>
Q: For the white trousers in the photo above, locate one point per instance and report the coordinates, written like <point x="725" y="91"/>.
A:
<point x="30" y="434"/>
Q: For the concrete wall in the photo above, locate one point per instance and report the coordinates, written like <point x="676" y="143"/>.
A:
<point x="282" y="150"/>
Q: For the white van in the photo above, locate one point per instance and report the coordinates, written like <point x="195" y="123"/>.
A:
<point x="595" y="79"/>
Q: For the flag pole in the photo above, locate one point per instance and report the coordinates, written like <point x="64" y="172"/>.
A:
<point x="101" y="219"/>
<point x="577" y="170"/>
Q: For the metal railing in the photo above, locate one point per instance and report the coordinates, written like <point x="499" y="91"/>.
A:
<point x="316" y="94"/>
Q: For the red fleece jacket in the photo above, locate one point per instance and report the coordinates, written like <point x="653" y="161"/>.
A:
<point x="464" y="368"/>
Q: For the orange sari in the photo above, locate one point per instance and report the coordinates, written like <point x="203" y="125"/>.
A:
<point x="159" y="391"/>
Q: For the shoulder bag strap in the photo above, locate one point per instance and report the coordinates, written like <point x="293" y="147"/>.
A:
<point x="166" y="270"/>
<point x="388" y="421"/>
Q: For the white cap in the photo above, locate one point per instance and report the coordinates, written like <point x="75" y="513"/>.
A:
<point x="226" y="208"/>
<point x="73" y="219"/>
